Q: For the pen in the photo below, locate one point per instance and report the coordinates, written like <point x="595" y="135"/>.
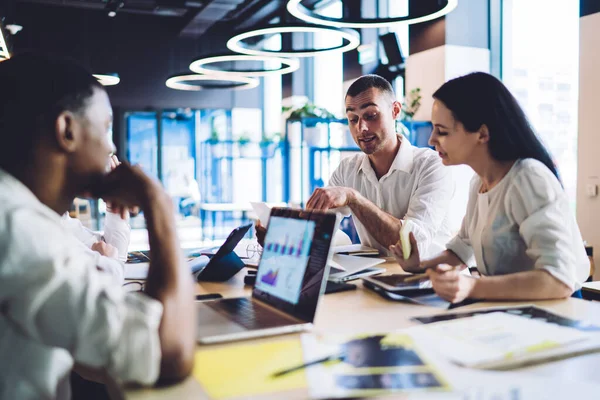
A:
<point x="417" y="277"/>
<point x="335" y="357"/>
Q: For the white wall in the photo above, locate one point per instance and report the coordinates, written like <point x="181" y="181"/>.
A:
<point x="588" y="208"/>
<point x="429" y="70"/>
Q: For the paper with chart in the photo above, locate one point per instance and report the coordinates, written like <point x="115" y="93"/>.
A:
<point x="500" y="340"/>
<point x="369" y="365"/>
<point x="285" y="257"/>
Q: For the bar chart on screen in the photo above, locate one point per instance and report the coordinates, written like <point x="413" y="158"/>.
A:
<point x="270" y="278"/>
<point x="285" y="256"/>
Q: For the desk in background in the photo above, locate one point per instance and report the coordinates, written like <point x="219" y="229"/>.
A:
<point x="362" y="310"/>
<point x="213" y="209"/>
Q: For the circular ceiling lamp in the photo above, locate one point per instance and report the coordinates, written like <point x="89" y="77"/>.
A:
<point x="441" y="8"/>
<point x="4" y="53"/>
<point x="351" y="40"/>
<point x="236" y="82"/>
<point x="108" y="79"/>
<point x="286" y="65"/>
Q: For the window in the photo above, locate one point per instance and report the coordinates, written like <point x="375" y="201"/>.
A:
<point x="540" y="66"/>
<point x="329" y="67"/>
<point x="399" y="8"/>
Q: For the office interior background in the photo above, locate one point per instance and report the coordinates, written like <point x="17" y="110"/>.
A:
<point x="219" y="141"/>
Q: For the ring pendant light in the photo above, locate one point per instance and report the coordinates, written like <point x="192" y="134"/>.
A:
<point x="296" y="8"/>
<point x="108" y="79"/>
<point x="239" y="82"/>
<point x="4" y="54"/>
<point x="351" y="37"/>
<point x="287" y="65"/>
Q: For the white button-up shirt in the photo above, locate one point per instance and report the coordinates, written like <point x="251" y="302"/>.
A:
<point x="116" y="233"/>
<point x="417" y="187"/>
<point x="523" y="223"/>
<point x="57" y="309"/>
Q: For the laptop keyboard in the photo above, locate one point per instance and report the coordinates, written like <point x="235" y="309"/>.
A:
<point x="249" y="314"/>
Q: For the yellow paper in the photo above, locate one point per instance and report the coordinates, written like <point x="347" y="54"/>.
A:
<point x="246" y="369"/>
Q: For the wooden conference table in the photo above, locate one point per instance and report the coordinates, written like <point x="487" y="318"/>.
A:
<point x="362" y="310"/>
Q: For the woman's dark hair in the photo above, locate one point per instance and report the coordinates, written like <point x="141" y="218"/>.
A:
<point x="479" y="98"/>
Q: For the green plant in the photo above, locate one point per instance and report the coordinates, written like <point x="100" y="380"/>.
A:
<point x="412" y="102"/>
<point x="244" y="139"/>
<point x="309" y="110"/>
<point x="269" y="139"/>
<point x="214" y="137"/>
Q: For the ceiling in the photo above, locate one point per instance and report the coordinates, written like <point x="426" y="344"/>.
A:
<point x="145" y="43"/>
<point x="195" y="17"/>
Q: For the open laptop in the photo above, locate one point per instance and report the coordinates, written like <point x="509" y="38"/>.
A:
<point x="290" y="280"/>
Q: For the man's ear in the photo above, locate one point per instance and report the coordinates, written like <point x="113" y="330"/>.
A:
<point x="65" y="130"/>
<point x="396" y="109"/>
<point x="484" y="134"/>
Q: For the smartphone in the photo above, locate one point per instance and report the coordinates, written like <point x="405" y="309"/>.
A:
<point x="396" y="282"/>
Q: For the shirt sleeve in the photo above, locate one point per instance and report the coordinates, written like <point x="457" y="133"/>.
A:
<point x="337" y="179"/>
<point x="117" y="233"/>
<point x="538" y="204"/>
<point x="461" y="243"/>
<point x="430" y="202"/>
<point x="52" y="293"/>
<point x="76" y="228"/>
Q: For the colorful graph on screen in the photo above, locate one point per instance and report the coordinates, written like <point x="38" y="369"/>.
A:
<point x="285" y="257"/>
<point x="285" y="248"/>
<point x="270" y="278"/>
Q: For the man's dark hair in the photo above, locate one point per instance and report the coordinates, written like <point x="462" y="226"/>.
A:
<point x="367" y="82"/>
<point x="35" y="89"/>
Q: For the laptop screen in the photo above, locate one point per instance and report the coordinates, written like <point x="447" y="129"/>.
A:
<point x="292" y="269"/>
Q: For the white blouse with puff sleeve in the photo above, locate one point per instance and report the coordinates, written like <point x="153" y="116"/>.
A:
<point x="523" y="223"/>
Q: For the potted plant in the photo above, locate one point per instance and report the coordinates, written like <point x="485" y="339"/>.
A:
<point x="312" y="136"/>
<point x="214" y="143"/>
<point x="308" y="110"/>
<point x="243" y="142"/>
<point x="268" y="143"/>
<point x="412" y="103"/>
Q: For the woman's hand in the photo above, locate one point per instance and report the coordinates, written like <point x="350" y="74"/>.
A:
<point x="450" y="284"/>
<point x="412" y="263"/>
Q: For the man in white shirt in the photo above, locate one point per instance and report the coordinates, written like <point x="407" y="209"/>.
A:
<point x="58" y="312"/>
<point x="391" y="181"/>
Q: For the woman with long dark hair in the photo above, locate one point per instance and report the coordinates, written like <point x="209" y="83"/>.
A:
<point x="518" y="227"/>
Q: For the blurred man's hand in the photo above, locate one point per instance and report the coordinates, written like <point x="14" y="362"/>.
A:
<point x="261" y="231"/>
<point x="106" y="250"/>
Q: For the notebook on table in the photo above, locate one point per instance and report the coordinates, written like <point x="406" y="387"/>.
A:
<point x="290" y="280"/>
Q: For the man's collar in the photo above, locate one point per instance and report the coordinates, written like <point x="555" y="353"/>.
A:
<point x="22" y="193"/>
<point x="403" y="161"/>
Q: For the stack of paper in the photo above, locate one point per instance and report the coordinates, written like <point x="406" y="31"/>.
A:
<point x="502" y="341"/>
<point x="350" y="267"/>
<point x="356" y="250"/>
